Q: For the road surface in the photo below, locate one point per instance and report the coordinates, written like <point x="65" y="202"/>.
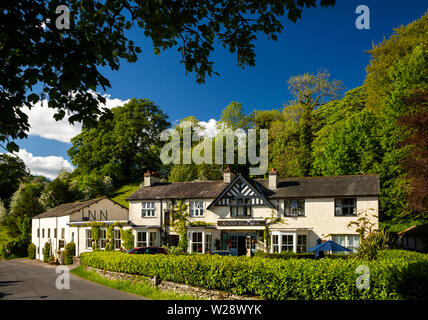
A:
<point x="23" y="279"/>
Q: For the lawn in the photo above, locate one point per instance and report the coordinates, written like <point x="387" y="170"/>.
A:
<point x="125" y="191"/>
<point x="141" y="288"/>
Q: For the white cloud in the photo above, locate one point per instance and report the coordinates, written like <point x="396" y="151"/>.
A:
<point x="44" y="125"/>
<point x="47" y="166"/>
<point x="210" y="128"/>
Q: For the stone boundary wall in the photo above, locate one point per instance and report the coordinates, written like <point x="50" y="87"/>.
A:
<point x="199" y="293"/>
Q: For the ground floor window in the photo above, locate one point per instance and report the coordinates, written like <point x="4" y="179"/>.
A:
<point x="287" y="243"/>
<point x="208" y="242"/>
<point x="147" y="238"/>
<point x="88" y="238"/>
<point x="350" y="241"/>
<point x="283" y="242"/>
<point x="302" y="241"/>
<point x="103" y="235"/>
<point x="141" y="239"/>
<point x="200" y="242"/>
<point x="275" y="243"/>
<point x="116" y="236"/>
<point x="153" y="239"/>
<point x="197" y="244"/>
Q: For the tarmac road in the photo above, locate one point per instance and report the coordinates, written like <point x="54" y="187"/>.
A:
<point x="23" y="279"/>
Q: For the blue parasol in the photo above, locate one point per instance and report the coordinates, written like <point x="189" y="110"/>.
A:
<point x="329" y="246"/>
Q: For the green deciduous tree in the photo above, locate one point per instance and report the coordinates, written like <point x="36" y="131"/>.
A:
<point x="3" y="212"/>
<point x="66" y="63"/>
<point x="12" y="171"/>
<point x="59" y="191"/>
<point x="24" y="205"/>
<point x="310" y="91"/>
<point x="122" y="147"/>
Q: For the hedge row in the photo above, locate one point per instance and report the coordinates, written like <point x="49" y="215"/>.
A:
<point x="292" y="255"/>
<point x="390" y="277"/>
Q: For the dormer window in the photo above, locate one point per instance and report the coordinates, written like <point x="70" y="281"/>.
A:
<point x="196" y="208"/>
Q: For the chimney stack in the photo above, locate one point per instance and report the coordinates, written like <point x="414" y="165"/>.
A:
<point x="273" y="179"/>
<point x="150" y="178"/>
<point x="228" y="175"/>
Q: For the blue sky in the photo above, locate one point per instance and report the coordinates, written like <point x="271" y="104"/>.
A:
<point x="322" y="39"/>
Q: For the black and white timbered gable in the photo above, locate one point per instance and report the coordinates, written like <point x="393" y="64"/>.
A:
<point x="241" y="193"/>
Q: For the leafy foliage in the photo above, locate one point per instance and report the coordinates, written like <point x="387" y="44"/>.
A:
<point x="127" y="238"/>
<point x="69" y="252"/>
<point x="32" y="251"/>
<point x="133" y="130"/>
<point x="12" y="171"/>
<point x="179" y="221"/>
<point x="66" y="63"/>
<point x="24" y="205"/>
<point x="391" y="277"/>
<point x="416" y="162"/>
<point x="47" y="251"/>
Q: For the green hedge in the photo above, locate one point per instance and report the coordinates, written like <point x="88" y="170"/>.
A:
<point x="292" y="255"/>
<point x="46" y="252"/>
<point x="14" y="247"/>
<point x="32" y="251"/>
<point x="69" y="253"/>
<point x="391" y="277"/>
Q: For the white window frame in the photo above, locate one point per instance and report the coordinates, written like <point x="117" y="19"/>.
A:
<point x="141" y="243"/>
<point x="151" y="239"/>
<point x="347" y="242"/>
<point x="103" y="236"/>
<point x="305" y="244"/>
<point x="196" y="208"/>
<point x="153" y="242"/>
<point x="148" y="209"/>
<point x="117" y="242"/>
<point x="205" y="243"/>
<point x="88" y="239"/>
<point x="280" y="234"/>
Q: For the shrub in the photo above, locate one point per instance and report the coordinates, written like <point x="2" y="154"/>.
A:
<point x="46" y="252"/>
<point x="127" y="238"/>
<point x="284" y="255"/>
<point x="69" y="253"/>
<point x="32" y="251"/>
<point x="372" y="243"/>
<point x="175" y="250"/>
<point x="17" y="247"/>
<point x="390" y="277"/>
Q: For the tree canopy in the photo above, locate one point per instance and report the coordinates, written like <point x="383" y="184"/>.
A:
<point x="12" y="171"/>
<point x="122" y="147"/>
<point x="39" y="61"/>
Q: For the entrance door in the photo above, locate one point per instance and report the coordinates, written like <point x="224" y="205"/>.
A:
<point x="242" y="248"/>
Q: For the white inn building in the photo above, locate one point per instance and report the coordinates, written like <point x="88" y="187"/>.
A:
<point x="230" y="214"/>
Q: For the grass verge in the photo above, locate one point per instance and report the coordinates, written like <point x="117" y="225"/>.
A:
<point x="140" y="288"/>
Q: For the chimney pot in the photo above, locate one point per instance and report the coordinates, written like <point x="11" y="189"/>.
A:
<point x="273" y="179"/>
<point x="150" y="178"/>
<point x="228" y="175"/>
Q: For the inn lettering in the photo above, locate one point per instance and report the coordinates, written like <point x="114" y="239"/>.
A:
<point x="94" y="215"/>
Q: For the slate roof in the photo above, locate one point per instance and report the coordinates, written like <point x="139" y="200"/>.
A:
<point x="67" y="209"/>
<point x="180" y="190"/>
<point x="307" y="187"/>
<point x="333" y="186"/>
